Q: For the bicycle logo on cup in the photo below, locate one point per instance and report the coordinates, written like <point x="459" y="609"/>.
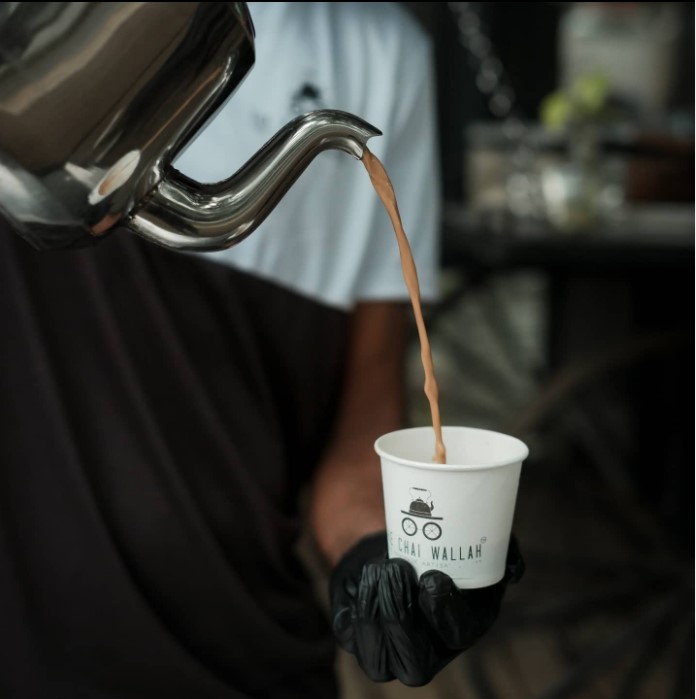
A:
<point x="420" y="507"/>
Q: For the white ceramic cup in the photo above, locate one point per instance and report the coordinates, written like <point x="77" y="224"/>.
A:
<point x="454" y="517"/>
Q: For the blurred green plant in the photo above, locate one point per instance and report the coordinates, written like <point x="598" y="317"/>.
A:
<point x="572" y="185"/>
<point x="584" y="102"/>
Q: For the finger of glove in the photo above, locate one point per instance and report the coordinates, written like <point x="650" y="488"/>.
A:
<point x="345" y="578"/>
<point x="458" y="617"/>
<point x="344" y="593"/>
<point x="344" y="583"/>
<point x="344" y="627"/>
<point x="411" y="655"/>
<point x="370" y="647"/>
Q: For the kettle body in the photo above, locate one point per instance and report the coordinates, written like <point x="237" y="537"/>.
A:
<point x="96" y="100"/>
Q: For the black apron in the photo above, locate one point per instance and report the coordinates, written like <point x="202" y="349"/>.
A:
<point x="159" y="413"/>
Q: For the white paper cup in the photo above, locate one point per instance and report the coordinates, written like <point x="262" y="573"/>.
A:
<point x="454" y="517"/>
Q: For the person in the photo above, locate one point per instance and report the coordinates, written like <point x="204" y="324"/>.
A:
<point x="163" y="411"/>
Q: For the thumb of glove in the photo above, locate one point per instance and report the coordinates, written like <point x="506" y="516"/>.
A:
<point x="344" y="586"/>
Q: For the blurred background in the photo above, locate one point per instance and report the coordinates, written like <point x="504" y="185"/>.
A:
<point x="567" y="134"/>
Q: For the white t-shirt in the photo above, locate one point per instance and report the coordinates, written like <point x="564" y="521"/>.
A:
<point x="330" y="238"/>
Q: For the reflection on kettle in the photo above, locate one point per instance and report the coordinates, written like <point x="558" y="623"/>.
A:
<point x="97" y="99"/>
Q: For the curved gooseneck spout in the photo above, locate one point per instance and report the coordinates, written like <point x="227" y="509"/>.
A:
<point x="187" y="215"/>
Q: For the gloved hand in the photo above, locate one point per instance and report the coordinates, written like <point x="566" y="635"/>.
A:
<point x="400" y="627"/>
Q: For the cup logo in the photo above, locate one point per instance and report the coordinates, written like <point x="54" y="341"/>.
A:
<point x="421" y="507"/>
<point x="452" y="555"/>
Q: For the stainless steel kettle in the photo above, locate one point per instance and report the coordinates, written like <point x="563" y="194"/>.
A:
<point x="97" y="98"/>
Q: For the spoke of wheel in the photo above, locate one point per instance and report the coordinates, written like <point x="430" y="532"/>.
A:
<point x="577" y="606"/>
<point x="647" y="659"/>
<point x="606" y="654"/>
<point x="684" y="676"/>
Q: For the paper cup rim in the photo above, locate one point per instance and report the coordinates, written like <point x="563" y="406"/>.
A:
<point x="433" y="466"/>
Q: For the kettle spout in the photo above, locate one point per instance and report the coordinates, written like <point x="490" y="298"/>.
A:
<point x="186" y="215"/>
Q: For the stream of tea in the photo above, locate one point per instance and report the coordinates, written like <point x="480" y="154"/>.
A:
<point x="385" y="191"/>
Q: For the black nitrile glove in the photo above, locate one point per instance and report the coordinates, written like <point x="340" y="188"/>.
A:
<point x="399" y="627"/>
